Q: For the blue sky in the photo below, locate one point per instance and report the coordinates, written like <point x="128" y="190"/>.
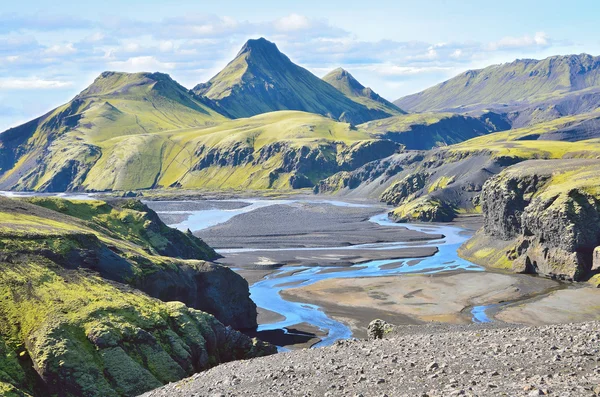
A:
<point x="51" y="50"/>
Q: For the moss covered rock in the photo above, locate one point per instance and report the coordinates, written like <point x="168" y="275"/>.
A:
<point x="72" y="322"/>
<point x="547" y="213"/>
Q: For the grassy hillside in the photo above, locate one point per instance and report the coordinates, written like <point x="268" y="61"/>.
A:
<point x="283" y="150"/>
<point x="71" y="321"/>
<point x="349" y="86"/>
<point x="55" y="152"/>
<point x="524" y="80"/>
<point x="261" y="79"/>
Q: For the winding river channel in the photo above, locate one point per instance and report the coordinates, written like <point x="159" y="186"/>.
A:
<point x="266" y="293"/>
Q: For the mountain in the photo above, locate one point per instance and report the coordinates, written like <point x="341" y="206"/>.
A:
<point x="54" y="151"/>
<point x="344" y="82"/>
<point x="261" y="79"/>
<point x="522" y="82"/>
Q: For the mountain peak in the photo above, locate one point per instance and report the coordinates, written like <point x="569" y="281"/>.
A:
<point x="260" y="45"/>
<point x="111" y="82"/>
<point x="262" y="79"/>
<point x="344" y="82"/>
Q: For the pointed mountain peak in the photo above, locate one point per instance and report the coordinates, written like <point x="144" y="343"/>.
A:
<point x="344" y="82"/>
<point x="259" y="46"/>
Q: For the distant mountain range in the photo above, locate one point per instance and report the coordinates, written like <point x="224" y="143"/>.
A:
<point x="528" y="90"/>
<point x="265" y="122"/>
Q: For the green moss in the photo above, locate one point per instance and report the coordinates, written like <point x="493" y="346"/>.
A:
<point x="441" y="183"/>
<point x="423" y="209"/>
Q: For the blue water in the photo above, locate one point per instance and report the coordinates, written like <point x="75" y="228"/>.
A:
<point x="265" y="293"/>
<point x="479" y="314"/>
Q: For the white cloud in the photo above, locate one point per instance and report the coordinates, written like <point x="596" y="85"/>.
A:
<point x="60" y="49"/>
<point x="32" y="83"/>
<point x="131" y="47"/>
<point x="95" y="37"/>
<point x="540" y="39"/>
<point x="457" y="54"/>
<point x="142" y="64"/>
<point x="387" y="69"/>
<point x="166" y="46"/>
<point x="292" y="22"/>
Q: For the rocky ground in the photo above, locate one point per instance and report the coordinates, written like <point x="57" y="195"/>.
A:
<point x="426" y="360"/>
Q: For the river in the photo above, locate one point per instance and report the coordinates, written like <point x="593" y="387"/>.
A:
<point x="266" y="293"/>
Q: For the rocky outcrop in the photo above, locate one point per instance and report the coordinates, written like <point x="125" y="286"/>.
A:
<point x="548" y="213"/>
<point x="95" y="338"/>
<point x="178" y="272"/>
<point x="377" y="171"/>
<point x="378" y="328"/>
<point x="424" y="209"/>
<point x="74" y="320"/>
<point x="403" y="190"/>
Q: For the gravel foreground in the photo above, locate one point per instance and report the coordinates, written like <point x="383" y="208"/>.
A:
<point x="429" y="360"/>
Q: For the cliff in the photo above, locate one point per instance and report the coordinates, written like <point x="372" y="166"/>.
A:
<point x="74" y="320"/>
<point x="541" y="217"/>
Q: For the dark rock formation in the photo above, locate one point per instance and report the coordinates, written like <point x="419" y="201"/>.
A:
<point x="548" y="212"/>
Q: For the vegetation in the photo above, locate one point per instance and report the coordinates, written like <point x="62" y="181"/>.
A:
<point x="423" y="131"/>
<point x="349" y="86"/>
<point x="261" y="79"/>
<point x="524" y="80"/>
<point x="78" y="329"/>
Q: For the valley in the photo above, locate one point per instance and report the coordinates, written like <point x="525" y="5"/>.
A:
<point x="328" y="268"/>
<point x="150" y="233"/>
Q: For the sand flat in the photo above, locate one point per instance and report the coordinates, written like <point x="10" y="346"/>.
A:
<point x="563" y="306"/>
<point x="440" y="297"/>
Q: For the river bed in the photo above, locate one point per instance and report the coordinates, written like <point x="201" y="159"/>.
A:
<point x="266" y="292"/>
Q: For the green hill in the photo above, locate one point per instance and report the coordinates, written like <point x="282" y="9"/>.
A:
<point x="261" y="79"/>
<point x="74" y="320"/>
<point x="522" y="81"/>
<point x="55" y="152"/>
<point x="353" y="89"/>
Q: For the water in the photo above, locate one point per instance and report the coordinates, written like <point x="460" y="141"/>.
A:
<point x="69" y="196"/>
<point x="265" y="293"/>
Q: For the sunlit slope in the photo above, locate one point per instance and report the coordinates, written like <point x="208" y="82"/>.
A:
<point x="524" y="80"/>
<point x="453" y="185"/>
<point x="344" y="82"/>
<point x="56" y="151"/>
<point x="274" y="150"/>
<point x="563" y="137"/>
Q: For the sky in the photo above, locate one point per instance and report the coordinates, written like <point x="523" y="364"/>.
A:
<point x="52" y="50"/>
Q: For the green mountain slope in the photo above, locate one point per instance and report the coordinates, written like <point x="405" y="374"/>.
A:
<point x="73" y="318"/>
<point x="521" y="81"/>
<point x="261" y="79"/>
<point x="353" y="89"/>
<point x="55" y="151"/>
